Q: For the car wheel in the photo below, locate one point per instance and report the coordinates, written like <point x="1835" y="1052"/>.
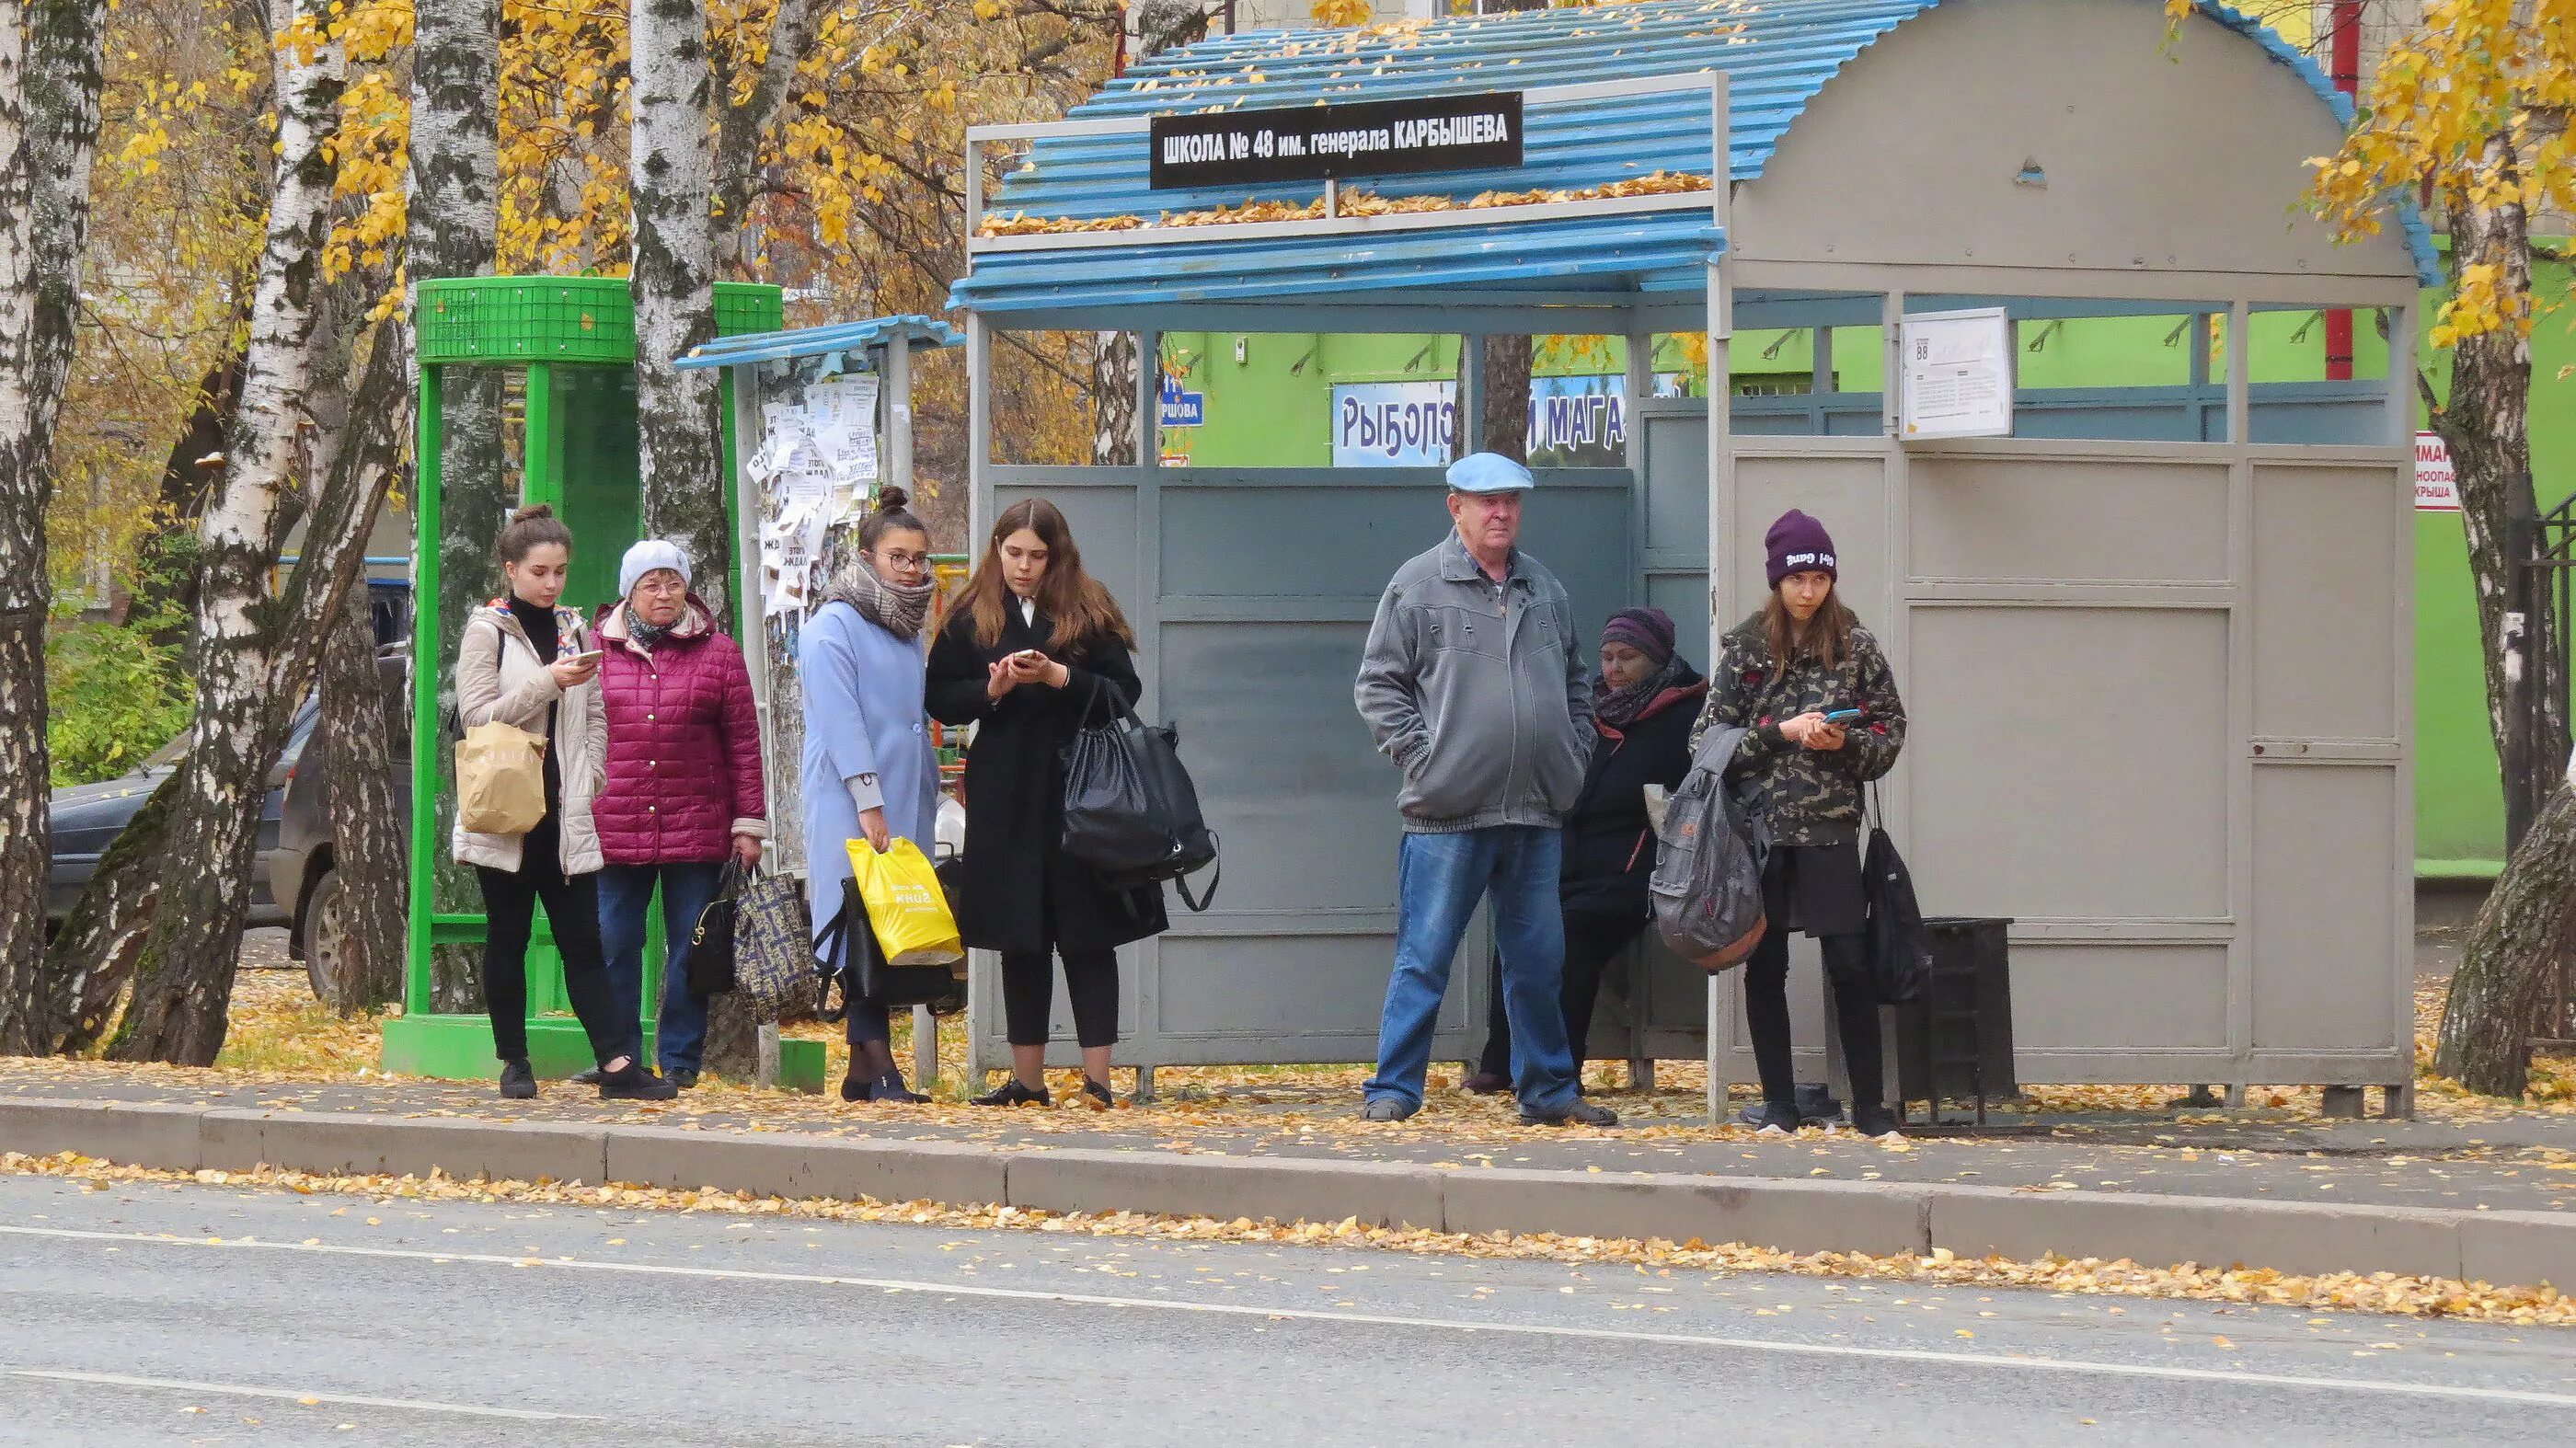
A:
<point x="326" y="933"/>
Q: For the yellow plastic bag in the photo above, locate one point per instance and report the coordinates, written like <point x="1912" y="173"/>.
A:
<point x="906" y="907"/>
<point x="500" y="780"/>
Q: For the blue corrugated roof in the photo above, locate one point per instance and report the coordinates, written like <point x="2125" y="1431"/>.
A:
<point x="914" y="330"/>
<point x="1628" y="250"/>
<point x="1777" y="55"/>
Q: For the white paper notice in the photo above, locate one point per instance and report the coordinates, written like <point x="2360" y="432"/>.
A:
<point x="2437" y="486"/>
<point x="1955" y="377"/>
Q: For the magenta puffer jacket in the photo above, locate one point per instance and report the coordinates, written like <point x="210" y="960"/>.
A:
<point x="683" y="744"/>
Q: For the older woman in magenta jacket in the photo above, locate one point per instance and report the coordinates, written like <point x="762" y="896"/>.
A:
<point x="684" y="788"/>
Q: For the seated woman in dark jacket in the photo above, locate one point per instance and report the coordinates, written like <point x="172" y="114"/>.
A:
<point x="1646" y="699"/>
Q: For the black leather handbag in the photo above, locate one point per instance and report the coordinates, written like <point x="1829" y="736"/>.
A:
<point x="1130" y="810"/>
<point x="846" y="954"/>
<point x="709" y="961"/>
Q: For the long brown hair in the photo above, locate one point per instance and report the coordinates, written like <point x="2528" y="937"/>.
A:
<point x="1081" y="607"/>
<point x="1826" y="635"/>
<point x="532" y="527"/>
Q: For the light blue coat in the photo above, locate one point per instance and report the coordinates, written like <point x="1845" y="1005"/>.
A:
<point x="863" y="716"/>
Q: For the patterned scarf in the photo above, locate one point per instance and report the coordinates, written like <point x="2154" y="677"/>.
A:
<point x="1619" y="708"/>
<point x="898" y="609"/>
<point x="647" y="635"/>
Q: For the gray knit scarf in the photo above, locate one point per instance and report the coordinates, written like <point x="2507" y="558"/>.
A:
<point x="898" y="609"/>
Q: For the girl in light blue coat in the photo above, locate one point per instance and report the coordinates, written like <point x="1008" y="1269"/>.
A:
<point x="869" y="771"/>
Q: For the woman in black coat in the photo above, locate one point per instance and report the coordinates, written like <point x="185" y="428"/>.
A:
<point x="1032" y="648"/>
<point x="1644" y="704"/>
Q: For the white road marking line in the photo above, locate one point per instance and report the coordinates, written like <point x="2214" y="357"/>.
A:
<point x="238" y="1390"/>
<point x="1938" y="1356"/>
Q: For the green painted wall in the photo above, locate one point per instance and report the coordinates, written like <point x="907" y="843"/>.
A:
<point x="1274" y="409"/>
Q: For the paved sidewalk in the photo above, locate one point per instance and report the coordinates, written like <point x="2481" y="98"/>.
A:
<point x="2523" y="1164"/>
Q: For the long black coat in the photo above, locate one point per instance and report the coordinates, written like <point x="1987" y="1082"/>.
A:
<point x="1609" y="845"/>
<point x="1015" y="867"/>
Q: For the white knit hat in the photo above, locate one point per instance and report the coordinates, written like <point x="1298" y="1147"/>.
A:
<point x="646" y="556"/>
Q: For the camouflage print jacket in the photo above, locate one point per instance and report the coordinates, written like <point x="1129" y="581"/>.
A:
<point x="1805" y="796"/>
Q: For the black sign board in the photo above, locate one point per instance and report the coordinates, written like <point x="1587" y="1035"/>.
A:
<point x="1316" y="143"/>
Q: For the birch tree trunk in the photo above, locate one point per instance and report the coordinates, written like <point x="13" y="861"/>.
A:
<point x="1506" y="395"/>
<point x="673" y="284"/>
<point x="49" y="114"/>
<point x="2522" y="933"/>
<point x="736" y="172"/>
<point x="452" y="231"/>
<point x="183" y="988"/>
<point x="353" y="930"/>
<point x="25" y="596"/>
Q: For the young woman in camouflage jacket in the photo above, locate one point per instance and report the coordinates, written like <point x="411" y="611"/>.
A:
<point x="1800" y="659"/>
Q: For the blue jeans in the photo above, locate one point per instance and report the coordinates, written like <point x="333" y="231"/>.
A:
<point x="1439" y="879"/>
<point x="625" y="894"/>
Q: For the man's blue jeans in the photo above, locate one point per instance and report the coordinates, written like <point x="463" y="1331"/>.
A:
<point x="625" y="895"/>
<point x="1439" y="880"/>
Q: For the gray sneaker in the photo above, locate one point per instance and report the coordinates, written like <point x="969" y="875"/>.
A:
<point x="1577" y="1112"/>
<point x="1387" y="1108"/>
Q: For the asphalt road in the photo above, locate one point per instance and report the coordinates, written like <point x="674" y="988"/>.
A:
<point x="189" y="1313"/>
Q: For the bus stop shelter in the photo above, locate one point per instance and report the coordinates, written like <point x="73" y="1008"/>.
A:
<point x="2155" y="642"/>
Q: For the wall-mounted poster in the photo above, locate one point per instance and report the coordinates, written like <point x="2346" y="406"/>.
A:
<point x="1393" y="424"/>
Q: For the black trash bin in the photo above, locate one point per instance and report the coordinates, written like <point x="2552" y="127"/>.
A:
<point x="1954" y="1042"/>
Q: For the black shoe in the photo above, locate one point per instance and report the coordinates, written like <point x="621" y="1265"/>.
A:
<point x="1816" y="1105"/>
<point x="588" y="1076"/>
<point x="1768" y="1117"/>
<point x="634" y="1084"/>
<point x="518" y="1083"/>
<point x="1387" y="1108"/>
<point x="684" y="1078"/>
<point x="855" y="1088"/>
<point x="1486" y="1083"/>
<point x="1577" y="1112"/>
<point x="1872" y="1120"/>
<point x="890" y="1087"/>
<point x="1012" y="1093"/>
<point x="1099" y="1092"/>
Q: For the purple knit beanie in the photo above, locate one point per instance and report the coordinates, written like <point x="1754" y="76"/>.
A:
<point x="1798" y="544"/>
<point x="1647" y="630"/>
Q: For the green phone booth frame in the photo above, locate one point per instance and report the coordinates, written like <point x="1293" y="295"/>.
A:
<point x="574" y="338"/>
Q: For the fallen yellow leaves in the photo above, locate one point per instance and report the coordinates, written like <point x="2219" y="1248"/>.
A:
<point x="1350" y="203"/>
<point x="2382" y="1292"/>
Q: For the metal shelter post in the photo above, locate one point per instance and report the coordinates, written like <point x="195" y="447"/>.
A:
<point x="1719" y="1029"/>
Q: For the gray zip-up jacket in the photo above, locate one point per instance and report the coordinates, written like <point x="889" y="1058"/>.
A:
<point x="1478" y="693"/>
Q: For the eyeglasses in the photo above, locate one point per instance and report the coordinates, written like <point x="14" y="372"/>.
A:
<point x="907" y="562"/>
<point x="673" y="589"/>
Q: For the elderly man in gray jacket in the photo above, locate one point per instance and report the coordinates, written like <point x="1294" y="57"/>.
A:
<point x="1474" y="686"/>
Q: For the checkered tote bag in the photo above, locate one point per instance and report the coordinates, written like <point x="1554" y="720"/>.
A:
<point x="773" y="938"/>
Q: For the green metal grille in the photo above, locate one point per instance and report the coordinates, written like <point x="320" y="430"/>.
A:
<point x="504" y="321"/>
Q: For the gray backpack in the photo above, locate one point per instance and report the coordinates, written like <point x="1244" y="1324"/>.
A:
<point x="1707" y="885"/>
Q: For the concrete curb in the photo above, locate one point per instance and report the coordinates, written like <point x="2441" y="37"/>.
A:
<point x="1772" y="1213"/>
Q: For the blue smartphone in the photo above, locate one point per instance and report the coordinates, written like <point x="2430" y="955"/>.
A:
<point x="1841" y="716"/>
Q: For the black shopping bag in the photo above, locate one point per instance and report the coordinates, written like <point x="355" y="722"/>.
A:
<point x="1900" y="949"/>
<point x="1130" y="809"/>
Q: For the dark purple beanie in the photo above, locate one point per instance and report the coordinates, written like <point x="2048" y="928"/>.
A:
<point x="1647" y="630"/>
<point x="1798" y="544"/>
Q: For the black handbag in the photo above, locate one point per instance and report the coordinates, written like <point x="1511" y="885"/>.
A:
<point x="1130" y="810"/>
<point x="1900" y="949"/>
<point x="709" y="959"/>
<point x="846" y="954"/>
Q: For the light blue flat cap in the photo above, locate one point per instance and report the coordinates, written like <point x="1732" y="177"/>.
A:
<point x="1486" y="472"/>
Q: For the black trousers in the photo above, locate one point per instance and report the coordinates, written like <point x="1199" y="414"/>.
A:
<point x="1592" y="941"/>
<point x="1028" y="994"/>
<point x="1855" y="1006"/>
<point x="572" y="909"/>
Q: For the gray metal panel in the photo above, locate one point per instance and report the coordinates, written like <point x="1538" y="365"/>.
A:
<point x="2323" y="857"/>
<point x="2325" y="544"/>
